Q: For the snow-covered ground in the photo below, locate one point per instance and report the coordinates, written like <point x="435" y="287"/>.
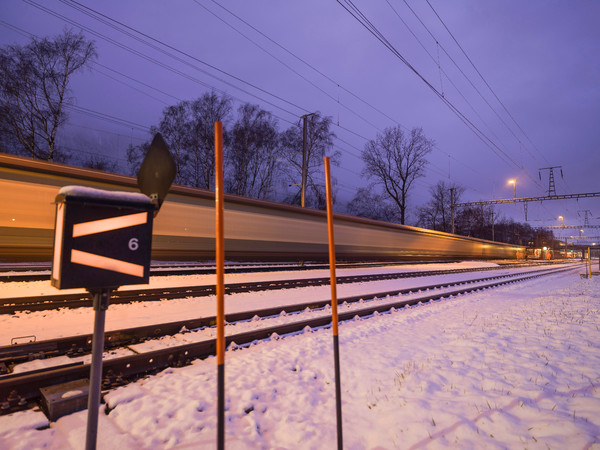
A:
<point x="68" y="322"/>
<point x="512" y="367"/>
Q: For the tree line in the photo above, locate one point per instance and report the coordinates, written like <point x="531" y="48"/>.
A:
<point x="261" y="161"/>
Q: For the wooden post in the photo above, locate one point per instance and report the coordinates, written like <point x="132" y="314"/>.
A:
<point x="220" y="260"/>
<point x="334" y="312"/>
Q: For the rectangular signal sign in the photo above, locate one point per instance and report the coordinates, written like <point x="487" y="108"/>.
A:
<point x="103" y="239"/>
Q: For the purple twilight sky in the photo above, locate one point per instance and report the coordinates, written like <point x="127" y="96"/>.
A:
<point x="541" y="59"/>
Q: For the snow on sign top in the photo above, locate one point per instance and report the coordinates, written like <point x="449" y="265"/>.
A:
<point x="83" y="192"/>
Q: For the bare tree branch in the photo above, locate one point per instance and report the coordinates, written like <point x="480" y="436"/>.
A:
<point x="34" y="87"/>
<point x="394" y="161"/>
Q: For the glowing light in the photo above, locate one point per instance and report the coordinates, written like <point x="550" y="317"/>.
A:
<point x="114" y="223"/>
<point x="60" y="217"/>
<point x="102" y="262"/>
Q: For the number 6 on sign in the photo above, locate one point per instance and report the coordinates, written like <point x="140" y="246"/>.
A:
<point x="133" y="244"/>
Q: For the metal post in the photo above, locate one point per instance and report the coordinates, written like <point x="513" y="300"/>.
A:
<point x="589" y="264"/>
<point x="452" y="207"/>
<point x="303" y="188"/>
<point x="100" y="300"/>
<point x="220" y="260"/>
<point x="334" y="312"/>
<point x="493" y="226"/>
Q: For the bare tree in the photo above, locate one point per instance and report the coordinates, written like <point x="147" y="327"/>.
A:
<point x="319" y="142"/>
<point x="395" y="160"/>
<point x="174" y="128"/>
<point x="253" y="153"/>
<point x="135" y="156"/>
<point x="189" y="130"/>
<point x="204" y="112"/>
<point x="475" y="221"/>
<point x="372" y="206"/>
<point x="34" y="82"/>
<point x="437" y="213"/>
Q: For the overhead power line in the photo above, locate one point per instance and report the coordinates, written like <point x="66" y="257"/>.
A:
<point x="303" y="61"/>
<point x="484" y="80"/>
<point x="355" y="12"/>
<point x="364" y="21"/>
<point x="99" y="16"/>
<point x="442" y="71"/>
<point x="160" y="63"/>
<point x="289" y="67"/>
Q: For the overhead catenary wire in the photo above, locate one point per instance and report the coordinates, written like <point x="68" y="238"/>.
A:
<point x="355" y="12"/>
<point x="159" y="63"/>
<point x="484" y="80"/>
<point x="442" y="71"/>
<point x="465" y="76"/>
<point x="327" y="94"/>
<point x="122" y="27"/>
<point x="90" y="14"/>
<point x="345" y="130"/>
<point x="311" y="66"/>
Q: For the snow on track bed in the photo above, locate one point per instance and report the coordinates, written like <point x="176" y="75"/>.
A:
<point x="66" y="322"/>
<point x="512" y="367"/>
<point x="248" y="321"/>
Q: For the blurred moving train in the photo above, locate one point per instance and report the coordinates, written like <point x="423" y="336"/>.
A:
<point x="255" y="230"/>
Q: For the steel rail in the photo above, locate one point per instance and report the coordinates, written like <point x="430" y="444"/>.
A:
<point x="174" y="269"/>
<point x="17" y="392"/>
<point x="49" y="302"/>
<point x="79" y="345"/>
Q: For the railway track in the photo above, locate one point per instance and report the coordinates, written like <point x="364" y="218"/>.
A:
<point x="79" y="300"/>
<point x="18" y="391"/>
<point x="41" y="271"/>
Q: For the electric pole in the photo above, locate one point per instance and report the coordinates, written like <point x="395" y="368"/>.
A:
<point x="551" y="185"/>
<point x="452" y="207"/>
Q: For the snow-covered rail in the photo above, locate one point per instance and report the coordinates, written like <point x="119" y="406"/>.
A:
<point x="19" y="390"/>
<point x="48" y="302"/>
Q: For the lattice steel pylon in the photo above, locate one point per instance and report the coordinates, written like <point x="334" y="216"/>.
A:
<point x="551" y="185"/>
<point x="586" y="220"/>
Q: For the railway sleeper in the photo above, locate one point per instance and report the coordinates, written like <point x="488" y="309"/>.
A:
<point x="77" y="346"/>
<point x="17" y="391"/>
<point x="10" y="306"/>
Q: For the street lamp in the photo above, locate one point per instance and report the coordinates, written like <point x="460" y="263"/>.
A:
<point x="514" y="183"/>
<point x="562" y="223"/>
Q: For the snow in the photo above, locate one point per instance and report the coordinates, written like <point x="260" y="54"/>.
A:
<point x="115" y="196"/>
<point x="51" y="324"/>
<point x="511" y="367"/>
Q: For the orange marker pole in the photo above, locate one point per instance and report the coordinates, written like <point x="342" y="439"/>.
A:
<point x="220" y="260"/>
<point x="334" y="312"/>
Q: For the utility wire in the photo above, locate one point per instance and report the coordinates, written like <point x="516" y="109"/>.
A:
<point x="442" y="71"/>
<point x="364" y="21"/>
<point x="308" y="64"/>
<point x="484" y="80"/>
<point x="107" y="20"/>
<point x="157" y="62"/>
<point x="99" y="16"/>
<point x="288" y="67"/>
